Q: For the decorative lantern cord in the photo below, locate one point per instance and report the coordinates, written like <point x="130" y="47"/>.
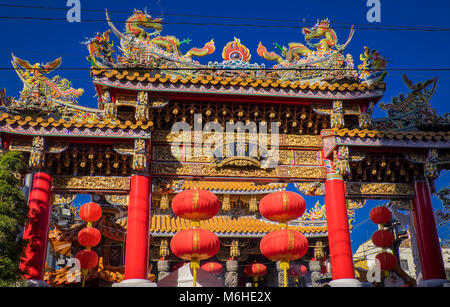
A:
<point x="285" y="266"/>
<point x="195" y="264"/>
<point x="85" y="272"/>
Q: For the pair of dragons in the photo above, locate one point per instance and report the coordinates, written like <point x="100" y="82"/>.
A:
<point x="135" y="31"/>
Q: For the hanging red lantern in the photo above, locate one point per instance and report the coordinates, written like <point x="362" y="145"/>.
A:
<point x="194" y="245"/>
<point x="195" y="204"/>
<point x="255" y="270"/>
<point x="90" y="212"/>
<point x="297" y="270"/>
<point x="380" y="215"/>
<point x="282" y="206"/>
<point x="284" y="245"/>
<point x="212" y="267"/>
<point x="383" y="238"/>
<point x="387" y="261"/>
<point x="88" y="259"/>
<point x="89" y="237"/>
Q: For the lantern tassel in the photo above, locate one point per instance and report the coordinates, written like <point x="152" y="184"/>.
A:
<point x="84" y="271"/>
<point x="285" y="266"/>
<point x="195" y="264"/>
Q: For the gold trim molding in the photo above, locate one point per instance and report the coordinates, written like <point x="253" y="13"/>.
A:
<point x="91" y="183"/>
<point x="380" y="189"/>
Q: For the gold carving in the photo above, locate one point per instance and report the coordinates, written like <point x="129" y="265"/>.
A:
<point x="306" y="172"/>
<point x="306" y="157"/>
<point x="239" y="162"/>
<point x="253" y="204"/>
<point x="63" y="199"/>
<point x="316" y="188"/>
<point x="378" y="189"/>
<point x="91" y="183"/>
<point x="300" y="140"/>
<point x="351" y="109"/>
<point x="226" y="206"/>
<point x="355" y="203"/>
<point x="20" y="145"/>
<point x="139" y="162"/>
<point x="37" y="153"/>
<point x="291" y="140"/>
<point x="285" y="157"/>
<point x="117" y="199"/>
<point x="127" y="100"/>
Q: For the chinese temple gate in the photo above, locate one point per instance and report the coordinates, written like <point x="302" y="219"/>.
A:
<point x="122" y="153"/>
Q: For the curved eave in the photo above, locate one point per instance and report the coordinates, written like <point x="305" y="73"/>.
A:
<point x="49" y="126"/>
<point x="232" y="89"/>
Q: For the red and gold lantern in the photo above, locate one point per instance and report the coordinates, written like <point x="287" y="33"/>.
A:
<point x="88" y="259"/>
<point x="282" y="206"/>
<point x="212" y="267"/>
<point x="195" y="205"/>
<point x="383" y="238"/>
<point x="195" y="245"/>
<point x="255" y="270"/>
<point x="89" y="237"/>
<point x="387" y="261"/>
<point x="380" y="215"/>
<point x="284" y="245"/>
<point x="90" y="212"/>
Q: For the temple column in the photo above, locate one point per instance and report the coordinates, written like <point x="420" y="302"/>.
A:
<point x="338" y="231"/>
<point x="36" y="229"/>
<point x="427" y="237"/>
<point x="138" y="227"/>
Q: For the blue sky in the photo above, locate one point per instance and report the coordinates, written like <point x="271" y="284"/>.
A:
<point x="43" y="41"/>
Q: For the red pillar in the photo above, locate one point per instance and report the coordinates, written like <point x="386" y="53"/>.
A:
<point x="137" y="244"/>
<point x="338" y="230"/>
<point x="36" y="229"/>
<point x="426" y="232"/>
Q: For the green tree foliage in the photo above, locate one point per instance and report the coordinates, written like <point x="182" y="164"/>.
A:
<point x="13" y="215"/>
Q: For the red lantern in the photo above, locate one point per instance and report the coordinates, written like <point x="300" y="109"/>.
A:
<point x="195" y="204"/>
<point x="195" y="244"/>
<point x="282" y="206"/>
<point x="212" y="267"/>
<point x="383" y="238"/>
<point x="255" y="270"/>
<point x="284" y="245"/>
<point x="89" y="237"/>
<point x="90" y="212"/>
<point x="88" y="259"/>
<point x="297" y="270"/>
<point x="387" y="261"/>
<point x="380" y="215"/>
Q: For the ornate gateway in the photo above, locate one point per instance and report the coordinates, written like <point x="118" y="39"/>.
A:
<point x="166" y="123"/>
